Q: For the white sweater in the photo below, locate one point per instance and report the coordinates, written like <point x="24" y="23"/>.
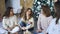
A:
<point x="43" y="22"/>
<point x="53" y="27"/>
<point x="11" y="21"/>
<point x="30" y="20"/>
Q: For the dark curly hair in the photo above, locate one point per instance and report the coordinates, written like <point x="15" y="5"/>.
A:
<point x="7" y="12"/>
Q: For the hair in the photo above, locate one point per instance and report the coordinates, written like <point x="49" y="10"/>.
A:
<point x="31" y="15"/>
<point x="46" y="10"/>
<point x="57" y="12"/>
<point x="58" y="0"/>
<point x="7" y="13"/>
<point x="0" y="14"/>
<point x="22" y="12"/>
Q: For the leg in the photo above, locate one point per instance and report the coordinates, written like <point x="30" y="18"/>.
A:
<point x="15" y="30"/>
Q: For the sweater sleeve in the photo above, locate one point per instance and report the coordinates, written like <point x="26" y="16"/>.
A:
<point x="31" y="25"/>
<point x="4" y="23"/>
<point x="16" y="21"/>
<point x="38" y="22"/>
<point x="50" y="27"/>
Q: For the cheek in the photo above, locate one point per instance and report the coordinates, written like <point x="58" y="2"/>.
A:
<point x="27" y="12"/>
<point x="11" y="12"/>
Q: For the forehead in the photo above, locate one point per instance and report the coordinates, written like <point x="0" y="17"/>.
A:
<point x="29" y="10"/>
<point x="11" y="10"/>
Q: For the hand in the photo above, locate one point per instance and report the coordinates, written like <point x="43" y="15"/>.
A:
<point x="23" y="28"/>
<point x="46" y="33"/>
<point x="39" y="30"/>
<point x="8" y="28"/>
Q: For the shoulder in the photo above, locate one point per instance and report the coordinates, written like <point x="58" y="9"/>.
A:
<point x="51" y="17"/>
<point x="14" y="16"/>
<point x="4" y="17"/>
<point x="53" y="20"/>
<point x="22" y="19"/>
<point x="31" y="18"/>
<point x="41" y="15"/>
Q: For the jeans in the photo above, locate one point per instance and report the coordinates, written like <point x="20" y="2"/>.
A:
<point x="22" y="24"/>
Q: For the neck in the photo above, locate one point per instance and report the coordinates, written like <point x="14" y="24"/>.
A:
<point x="44" y="14"/>
<point x="28" y="16"/>
<point x="11" y="15"/>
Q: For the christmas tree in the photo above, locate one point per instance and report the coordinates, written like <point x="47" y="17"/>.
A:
<point x="37" y="6"/>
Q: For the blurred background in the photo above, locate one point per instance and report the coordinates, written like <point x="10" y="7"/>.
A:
<point x="19" y="4"/>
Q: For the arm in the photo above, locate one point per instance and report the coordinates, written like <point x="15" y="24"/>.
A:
<point x="4" y="23"/>
<point x="38" y="22"/>
<point x="48" y="23"/>
<point x="16" y="21"/>
<point x="31" y="24"/>
<point x="50" y="27"/>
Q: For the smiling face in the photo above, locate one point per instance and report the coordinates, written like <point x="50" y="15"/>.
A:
<point x="28" y="12"/>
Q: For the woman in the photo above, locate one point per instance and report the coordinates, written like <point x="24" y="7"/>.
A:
<point x="20" y="16"/>
<point x="28" y="22"/>
<point x="54" y="27"/>
<point x="10" y="21"/>
<point x="20" y="19"/>
<point x="44" y="19"/>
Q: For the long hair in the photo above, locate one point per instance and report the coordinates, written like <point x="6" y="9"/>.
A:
<point x="46" y="10"/>
<point x="7" y="13"/>
<point x="31" y="15"/>
<point x="57" y="10"/>
<point x="22" y="12"/>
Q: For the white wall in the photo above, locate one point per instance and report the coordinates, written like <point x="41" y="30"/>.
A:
<point x="15" y="5"/>
<point x="8" y="4"/>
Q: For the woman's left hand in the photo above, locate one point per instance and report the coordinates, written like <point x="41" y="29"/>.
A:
<point x="10" y="28"/>
<point x="23" y="28"/>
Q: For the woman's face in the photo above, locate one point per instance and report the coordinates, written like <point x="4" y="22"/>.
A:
<point x="28" y="12"/>
<point x="11" y="12"/>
